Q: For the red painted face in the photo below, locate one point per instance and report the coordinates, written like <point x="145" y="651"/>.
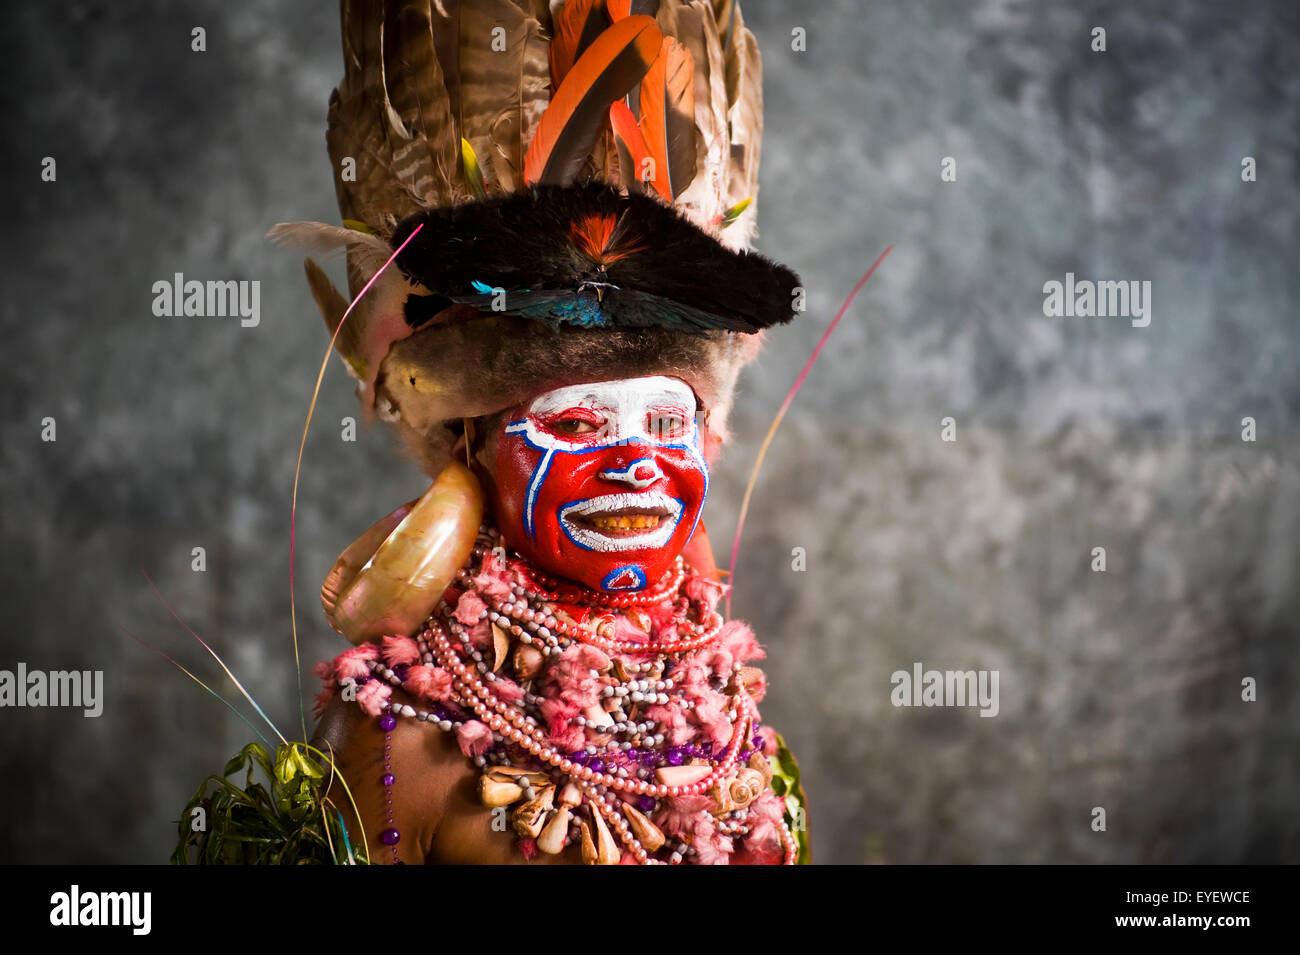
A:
<point x="602" y="483"/>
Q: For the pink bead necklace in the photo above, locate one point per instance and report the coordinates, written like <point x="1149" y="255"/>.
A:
<point x="529" y="615"/>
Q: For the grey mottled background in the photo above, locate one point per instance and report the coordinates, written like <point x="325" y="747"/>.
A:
<point x="1119" y="690"/>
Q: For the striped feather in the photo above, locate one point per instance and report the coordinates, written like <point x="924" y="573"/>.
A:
<point x="704" y="199"/>
<point x="744" y="114"/>
<point x="390" y="119"/>
<point x="444" y="16"/>
<point x="420" y="128"/>
<point x="493" y="40"/>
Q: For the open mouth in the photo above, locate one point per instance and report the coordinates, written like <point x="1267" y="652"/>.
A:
<point x="621" y="521"/>
<point x="625" y="522"/>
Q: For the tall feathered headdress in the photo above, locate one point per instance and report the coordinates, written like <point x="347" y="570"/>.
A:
<point x="583" y="176"/>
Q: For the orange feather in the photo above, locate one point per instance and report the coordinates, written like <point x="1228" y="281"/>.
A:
<point x="600" y="238"/>
<point x="629" y="136"/>
<point x="668" y="117"/>
<point x="614" y="63"/>
<point x="591" y="234"/>
<point x="577" y="25"/>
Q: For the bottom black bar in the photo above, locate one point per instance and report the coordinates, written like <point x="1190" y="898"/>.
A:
<point x="313" y="904"/>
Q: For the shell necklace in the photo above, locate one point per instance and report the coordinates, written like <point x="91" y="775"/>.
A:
<point x="623" y="723"/>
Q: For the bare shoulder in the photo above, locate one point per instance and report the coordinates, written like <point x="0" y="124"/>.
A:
<point x="426" y="765"/>
<point x="436" y="806"/>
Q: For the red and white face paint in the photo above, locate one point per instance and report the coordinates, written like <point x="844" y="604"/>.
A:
<point x="602" y="483"/>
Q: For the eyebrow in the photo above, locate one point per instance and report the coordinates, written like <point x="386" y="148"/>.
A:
<point x="672" y="394"/>
<point x="676" y="397"/>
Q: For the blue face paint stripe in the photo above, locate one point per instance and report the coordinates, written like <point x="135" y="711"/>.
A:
<point x="534" y="485"/>
<point x="637" y="573"/>
<point x="698" y="455"/>
<point x="522" y="426"/>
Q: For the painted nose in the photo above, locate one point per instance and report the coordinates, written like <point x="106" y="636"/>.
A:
<point x="640" y="474"/>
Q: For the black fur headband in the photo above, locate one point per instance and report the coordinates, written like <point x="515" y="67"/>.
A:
<point x="590" y="257"/>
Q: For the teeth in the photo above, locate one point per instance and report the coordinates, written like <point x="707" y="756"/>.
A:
<point x="625" y="522"/>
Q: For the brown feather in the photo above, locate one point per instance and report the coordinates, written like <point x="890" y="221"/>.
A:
<point x="722" y="17"/>
<point x="513" y="112"/>
<point x="703" y="199"/>
<point x="517" y="124"/>
<point x="331" y="302"/>
<point x="665" y="14"/>
<point x="366" y="255"/>
<point x="578" y="112"/>
<point x="422" y="136"/>
<point x="539" y="10"/>
<point x="444" y="15"/>
<point x="744" y="118"/>
<point x="490" y="67"/>
<point x="355" y="129"/>
<point x="608" y="155"/>
<point x="627" y="167"/>
<point x="389" y="116"/>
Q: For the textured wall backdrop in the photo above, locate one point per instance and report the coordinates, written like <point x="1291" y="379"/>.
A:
<point x="1120" y="689"/>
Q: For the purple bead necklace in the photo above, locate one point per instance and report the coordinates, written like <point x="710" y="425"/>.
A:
<point x="390" y="836"/>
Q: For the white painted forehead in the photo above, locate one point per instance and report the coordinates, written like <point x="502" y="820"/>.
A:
<point x="641" y="392"/>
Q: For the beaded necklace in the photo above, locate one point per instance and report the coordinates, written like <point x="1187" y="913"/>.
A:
<point x="626" y="723"/>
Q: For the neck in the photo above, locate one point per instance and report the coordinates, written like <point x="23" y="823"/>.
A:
<point x="558" y="589"/>
<point x="675" y="614"/>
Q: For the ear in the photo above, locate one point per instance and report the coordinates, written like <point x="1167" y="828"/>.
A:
<point x="431" y="450"/>
<point x="710" y="441"/>
<point x="480" y="434"/>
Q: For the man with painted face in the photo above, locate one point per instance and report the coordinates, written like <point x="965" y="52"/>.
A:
<point x="593" y="491"/>
<point x="601" y="483"/>
<point x="540" y="672"/>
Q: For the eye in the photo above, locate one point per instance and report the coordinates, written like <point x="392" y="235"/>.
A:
<point x="575" y="422"/>
<point x="667" y="424"/>
<point x="572" y="426"/>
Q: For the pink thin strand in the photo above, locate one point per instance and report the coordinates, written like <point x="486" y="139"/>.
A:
<point x="222" y="663"/>
<point x="311" y="410"/>
<point x="776" y="422"/>
<point x="230" y="706"/>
